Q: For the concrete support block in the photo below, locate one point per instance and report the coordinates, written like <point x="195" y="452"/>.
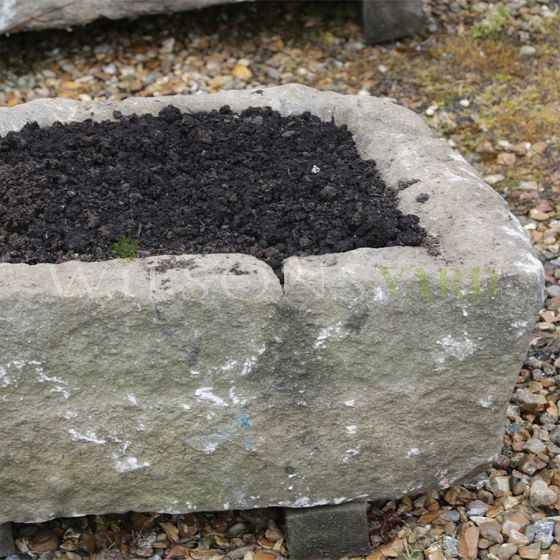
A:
<point x="328" y="532"/>
<point x="7" y="545"/>
<point x="385" y="20"/>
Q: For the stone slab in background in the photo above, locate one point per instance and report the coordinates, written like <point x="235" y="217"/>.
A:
<point x="173" y="384"/>
<point x="383" y="19"/>
<point x="22" y="15"/>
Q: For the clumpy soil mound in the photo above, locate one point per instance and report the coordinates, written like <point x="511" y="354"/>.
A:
<point x="255" y="183"/>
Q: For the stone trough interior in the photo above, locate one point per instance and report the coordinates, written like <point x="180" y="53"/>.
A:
<point x="152" y="367"/>
<point x="194" y="183"/>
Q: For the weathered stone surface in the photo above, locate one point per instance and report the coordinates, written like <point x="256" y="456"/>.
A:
<point x="172" y="384"/>
<point x="18" y="15"/>
<point x="328" y="532"/>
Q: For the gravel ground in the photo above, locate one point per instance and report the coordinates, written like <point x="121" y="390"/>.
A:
<point x="487" y="78"/>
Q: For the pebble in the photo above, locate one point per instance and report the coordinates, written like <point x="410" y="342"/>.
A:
<point x="553" y="290"/>
<point x="264" y="555"/>
<point x="506" y="158"/>
<point x="504" y="551"/>
<point x="468" y="542"/>
<point x="544" y="532"/>
<point x="274" y="535"/>
<point x="111" y="554"/>
<point x="533" y="362"/>
<point x="491" y="530"/>
<point x="144" y="552"/>
<point x="146" y="541"/>
<point x="527" y="50"/>
<point x="530" y="464"/>
<point x="434" y="552"/>
<point x="477" y="507"/>
<point x="237" y="529"/>
<point x="450" y="546"/>
<point x="539" y="215"/>
<point x="483" y="544"/>
<point x="555" y="435"/>
<point x="529" y="185"/>
<point x="530" y="552"/>
<point x="241" y="72"/>
<point x="510" y="502"/>
<point x="514" y="521"/>
<point x="500" y="486"/>
<point x="239" y="553"/>
<point x="541" y="495"/>
<point x="535" y="446"/>
<point x="431" y="110"/>
<point x="494" y="179"/>
<point x="516" y="537"/>
<point x="529" y="401"/>
<point x="513" y="412"/>
<point x="451" y="515"/>
<point x="168" y="44"/>
<point x="43" y="541"/>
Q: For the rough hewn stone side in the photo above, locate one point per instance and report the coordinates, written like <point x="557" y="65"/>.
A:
<point x="177" y="383"/>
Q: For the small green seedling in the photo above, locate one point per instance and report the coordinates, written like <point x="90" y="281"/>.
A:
<point x="125" y="249"/>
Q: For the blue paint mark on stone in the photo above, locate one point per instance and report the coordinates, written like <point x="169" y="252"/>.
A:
<point x="246" y="424"/>
<point x="241" y="433"/>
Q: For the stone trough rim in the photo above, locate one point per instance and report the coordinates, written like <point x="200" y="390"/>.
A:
<point x="373" y="122"/>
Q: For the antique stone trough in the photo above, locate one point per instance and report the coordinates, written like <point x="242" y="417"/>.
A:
<point x="192" y="383"/>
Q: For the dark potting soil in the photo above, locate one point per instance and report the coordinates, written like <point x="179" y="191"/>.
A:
<point x="254" y="182"/>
